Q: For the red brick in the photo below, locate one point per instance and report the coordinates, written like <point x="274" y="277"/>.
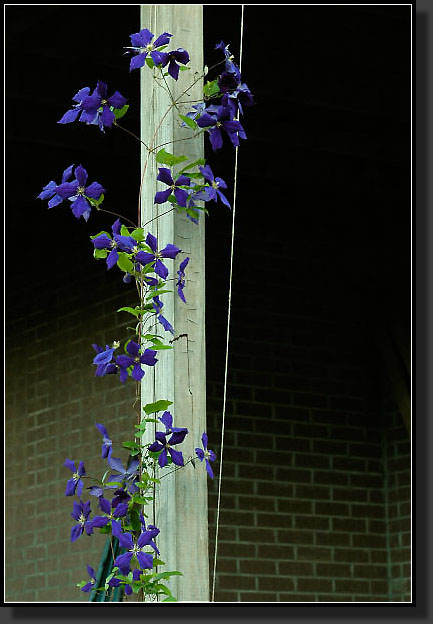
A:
<point x="313" y="585"/>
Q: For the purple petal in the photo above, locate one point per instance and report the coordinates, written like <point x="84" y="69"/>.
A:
<point x="170" y="251"/>
<point x="76" y="531"/>
<point x="117" y="100"/>
<point x="176" y="456"/>
<point x="137" y="61"/>
<point x="144" y="257"/>
<point x="160" y="269"/>
<point x="81" y="175"/>
<point x="145" y="560"/>
<point x="100" y="521"/>
<point x="164" y="175"/>
<point x="104" y="504"/>
<point x="216" y="139"/>
<point x="133" y="348"/>
<point x="137" y="372"/>
<point x="70" y="487"/>
<point x="204" y="440"/>
<point x="167" y="420"/>
<point x="162" y="459"/>
<point x="112" y="258"/>
<point x="209" y="469"/>
<point x="162" y="40"/>
<point x="181" y="196"/>
<point x="149" y="357"/>
<point x="207" y="173"/>
<point x="115" y="464"/>
<point x="80" y="207"/>
<point x="107" y="117"/>
<point x="70" y="464"/>
<point x="68" y="189"/>
<point x="152" y="241"/>
<point x="178" y="437"/>
<point x="162" y="196"/>
<point x="69" y="116"/>
<point x="123" y="561"/>
<point x="95" y="190"/>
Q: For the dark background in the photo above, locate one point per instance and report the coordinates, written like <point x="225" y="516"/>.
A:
<point x="323" y="225"/>
<point x="328" y="150"/>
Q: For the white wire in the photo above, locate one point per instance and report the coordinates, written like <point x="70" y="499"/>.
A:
<point x="227" y="336"/>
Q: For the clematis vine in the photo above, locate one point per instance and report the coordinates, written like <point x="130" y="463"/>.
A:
<point x="128" y="485"/>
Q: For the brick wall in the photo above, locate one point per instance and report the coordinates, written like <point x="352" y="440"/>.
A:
<point x="303" y="513"/>
<point x="53" y="400"/>
<point x="398" y="492"/>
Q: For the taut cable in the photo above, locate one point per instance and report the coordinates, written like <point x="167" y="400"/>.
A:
<point x="228" y="333"/>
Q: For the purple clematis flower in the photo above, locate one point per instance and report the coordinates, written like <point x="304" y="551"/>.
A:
<point x="104" y="360"/>
<point x="49" y="191"/>
<point x="206" y="454"/>
<point x="161" y="444"/>
<point x="77" y="191"/>
<point x="74" y="484"/>
<point x="169" y="251"/>
<point x="157" y="305"/>
<point x="216" y="118"/>
<point x="127" y="477"/>
<point x="81" y="514"/>
<point x="141" y="45"/>
<point x="107" y="443"/>
<point x="181" y="195"/>
<point x="135" y="359"/>
<point x="97" y="107"/>
<point x="238" y="98"/>
<point x="135" y="549"/>
<point x="230" y="66"/>
<point x="172" y="59"/>
<point x="118" y="511"/>
<point x="120" y="496"/>
<point x="215" y="184"/>
<point x="124" y="243"/>
<point x="91" y="584"/>
<point x="181" y="279"/>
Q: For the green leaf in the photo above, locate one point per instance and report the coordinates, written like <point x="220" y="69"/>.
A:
<point x="164" y="575"/>
<point x="149" y="62"/>
<point x="131" y="445"/>
<point x="189" y="122"/>
<point x="95" y="202"/>
<point x="120" y="112"/>
<point x="134" y="311"/>
<point x="170" y="598"/>
<point x="100" y="253"/>
<point x="165" y="158"/>
<point x="124" y="263"/>
<point x="158" y="562"/>
<point x="141" y="500"/>
<point x="158" y="406"/>
<point x="200" y="161"/>
<point x="211" y="88"/>
<point x="124" y="230"/>
<point x="99" y="234"/>
<point x="156" y="293"/>
<point x="138" y="234"/>
<point x="157" y="345"/>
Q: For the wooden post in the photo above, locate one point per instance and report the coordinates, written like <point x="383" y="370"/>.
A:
<point x="179" y="376"/>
